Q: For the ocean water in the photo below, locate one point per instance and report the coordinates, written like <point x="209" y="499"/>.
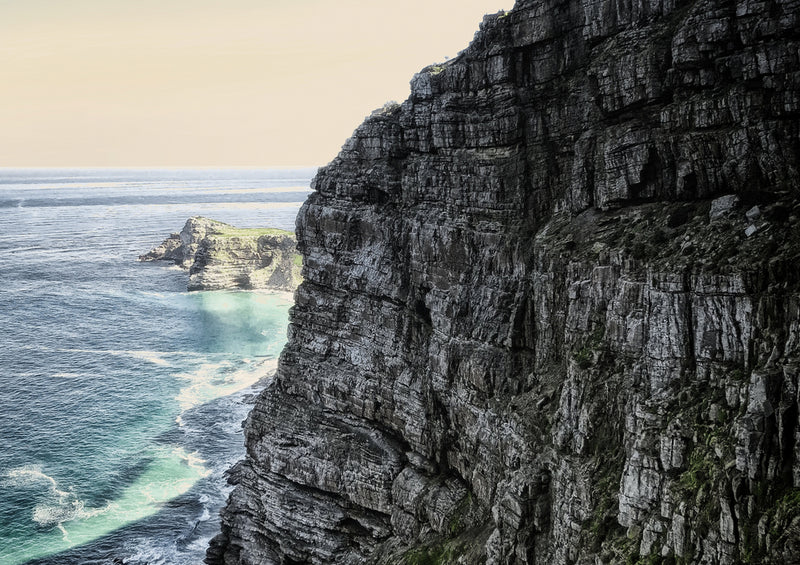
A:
<point x="122" y="395"/>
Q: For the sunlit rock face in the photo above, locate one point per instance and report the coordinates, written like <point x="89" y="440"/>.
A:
<point x="551" y="310"/>
<point x="219" y="256"/>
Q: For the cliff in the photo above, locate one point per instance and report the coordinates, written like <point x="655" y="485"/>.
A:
<point x="220" y="256"/>
<point x="550" y="310"/>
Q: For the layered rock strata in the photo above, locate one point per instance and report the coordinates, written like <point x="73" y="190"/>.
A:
<point x="220" y="256"/>
<point x="551" y="307"/>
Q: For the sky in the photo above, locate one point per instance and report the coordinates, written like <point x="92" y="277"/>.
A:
<point x="210" y="83"/>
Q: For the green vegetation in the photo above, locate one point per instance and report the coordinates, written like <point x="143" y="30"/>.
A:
<point x="584" y="357"/>
<point x="224" y="230"/>
<point x="456" y="524"/>
<point x="298" y="260"/>
<point x="789" y="504"/>
<point x="455" y="542"/>
<point x="777" y="515"/>
<point x="604" y="518"/>
<point x="700" y="471"/>
<point x="783" y="511"/>
<point x="625" y="550"/>
<point x="435" y="555"/>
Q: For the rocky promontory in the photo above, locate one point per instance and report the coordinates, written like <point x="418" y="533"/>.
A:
<point x="551" y="307"/>
<point x="220" y="256"/>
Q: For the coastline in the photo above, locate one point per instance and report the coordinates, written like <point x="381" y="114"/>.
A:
<point x="118" y="367"/>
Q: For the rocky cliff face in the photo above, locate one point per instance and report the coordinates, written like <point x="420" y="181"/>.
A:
<point x="220" y="256"/>
<point x="551" y="309"/>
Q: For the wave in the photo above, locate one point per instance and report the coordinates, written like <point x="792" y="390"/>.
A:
<point x="153" y="293"/>
<point x="29" y="475"/>
<point x="59" y="506"/>
<point x="172" y="472"/>
<point x="68" y="375"/>
<point x="163" y="552"/>
<point x="215" y="380"/>
<point x="48" y="514"/>
<point x="154" y="357"/>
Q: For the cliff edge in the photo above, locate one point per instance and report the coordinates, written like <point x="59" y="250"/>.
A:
<point x="551" y="306"/>
<point x="219" y="256"/>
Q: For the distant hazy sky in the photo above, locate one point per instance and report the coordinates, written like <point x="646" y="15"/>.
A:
<point x="210" y="82"/>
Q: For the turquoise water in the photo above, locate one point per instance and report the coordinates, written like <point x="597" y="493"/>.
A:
<point x="122" y="395"/>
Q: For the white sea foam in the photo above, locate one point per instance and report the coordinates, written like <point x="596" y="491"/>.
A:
<point x="211" y="380"/>
<point x="285" y="295"/>
<point x="57" y="506"/>
<point x="154" y="357"/>
<point x="194" y="461"/>
<point x="60" y="505"/>
<point x="163" y="552"/>
<point x="51" y="514"/>
<point x="153" y="554"/>
<point x="28" y="475"/>
<point x="155" y="294"/>
<point x="149" y="555"/>
<point x="68" y="375"/>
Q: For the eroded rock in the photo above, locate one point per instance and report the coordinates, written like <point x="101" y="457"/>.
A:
<point x="220" y="256"/>
<point x="520" y="338"/>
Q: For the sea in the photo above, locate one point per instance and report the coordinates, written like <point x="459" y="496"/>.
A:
<point x="122" y="395"/>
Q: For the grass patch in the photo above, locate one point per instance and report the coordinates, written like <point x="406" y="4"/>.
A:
<point x="230" y="231"/>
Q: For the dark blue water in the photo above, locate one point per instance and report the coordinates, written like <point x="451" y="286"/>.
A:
<point x="122" y="395"/>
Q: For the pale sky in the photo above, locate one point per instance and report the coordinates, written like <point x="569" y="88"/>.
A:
<point x="210" y="82"/>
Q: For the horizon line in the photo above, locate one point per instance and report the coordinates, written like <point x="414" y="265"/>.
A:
<point x="160" y="167"/>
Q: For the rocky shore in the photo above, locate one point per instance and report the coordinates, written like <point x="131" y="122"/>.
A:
<point x="220" y="256"/>
<point x="551" y="307"/>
